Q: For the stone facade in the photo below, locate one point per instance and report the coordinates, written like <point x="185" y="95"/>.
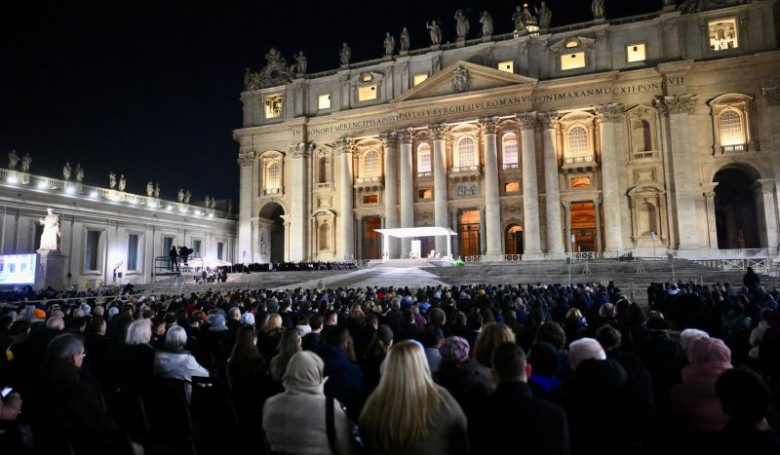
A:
<point x="104" y="230"/>
<point x="647" y="135"/>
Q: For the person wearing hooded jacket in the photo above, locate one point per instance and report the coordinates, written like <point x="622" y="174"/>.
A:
<point x="294" y="421"/>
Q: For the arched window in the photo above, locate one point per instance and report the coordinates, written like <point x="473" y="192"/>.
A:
<point x="578" y="142"/>
<point x="273" y="181"/>
<point x="466" y="156"/>
<point x="322" y="234"/>
<point x="642" y="137"/>
<point x="509" y="147"/>
<point x="371" y="163"/>
<point x="322" y="170"/>
<point x="424" y="158"/>
<point x="731" y="128"/>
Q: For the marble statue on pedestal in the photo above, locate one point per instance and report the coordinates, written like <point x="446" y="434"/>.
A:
<point x="461" y="24"/>
<point x="405" y="40"/>
<point x="389" y="44"/>
<point x="598" y="9"/>
<point x="545" y="16"/>
<point x="66" y="171"/>
<point x="13" y="159"/>
<point x="300" y="63"/>
<point x="111" y="180"/>
<point x="433" y="26"/>
<point x="180" y="195"/>
<point x="26" y="160"/>
<point x="487" y="24"/>
<point x="122" y="182"/>
<point x="156" y="190"/>
<point x="51" y="230"/>
<point x="187" y="197"/>
<point x="79" y="173"/>
<point x="149" y="189"/>
<point x="345" y="54"/>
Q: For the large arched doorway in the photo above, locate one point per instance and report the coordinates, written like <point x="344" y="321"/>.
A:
<point x="372" y="240"/>
<point x="513" y="239"/>
<point x="736" y="218"/>
<point x="271" y="246"/>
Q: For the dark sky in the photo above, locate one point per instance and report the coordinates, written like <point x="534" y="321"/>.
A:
<point x="151" y="89"/>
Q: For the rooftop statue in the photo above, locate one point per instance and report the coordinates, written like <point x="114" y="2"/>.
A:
<point x="13" y="159"/>
<point x="405" y="40"/>
<point x="389" y="44"/>
<point x="487" y="24"/>
<point x="461" y="24"/>
<point x="345" y="54"/>
<point x="435" y="32"/>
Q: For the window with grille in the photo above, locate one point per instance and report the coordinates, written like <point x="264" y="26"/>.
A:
<point x="466" y="156"/>
<point x="424" y="158"/>
<point x="132" y="252"/>
<point x="372" y="164"/>
<point x="273" y="176"/>
<point x="578" y="142"/>
<point x="510" y="150"/>
<point x="730" y="127"/>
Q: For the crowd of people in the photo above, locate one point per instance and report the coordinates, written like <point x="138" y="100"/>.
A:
<point x="303" y="266"/>
<point x="545" y="368"/>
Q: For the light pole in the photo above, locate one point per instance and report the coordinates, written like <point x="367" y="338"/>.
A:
<point x="571" y="256"/>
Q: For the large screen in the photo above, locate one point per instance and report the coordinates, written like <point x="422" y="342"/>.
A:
<point x="17" y="269"/>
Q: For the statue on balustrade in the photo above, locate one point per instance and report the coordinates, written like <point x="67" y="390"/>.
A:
<point x="13" y="159"/>
<point x="51" y="231"/>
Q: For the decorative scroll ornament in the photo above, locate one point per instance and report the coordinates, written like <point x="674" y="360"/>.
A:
<point x="548" y="119"/>
<point x="676" y="104"/>
<point x="276" y="72"/>
<point x="488" y="125"/>
<point x="302" y="149"/>
<point x="612" y="112"/>
<point x="439" y="131"/>
<point x="461" y="80"/>
<point x="405" y="135"/>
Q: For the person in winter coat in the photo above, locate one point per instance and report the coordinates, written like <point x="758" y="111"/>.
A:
<point x="176" y="363"/>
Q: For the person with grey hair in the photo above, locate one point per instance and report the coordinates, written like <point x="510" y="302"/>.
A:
<point x="81" y="420"/>
<point x="174" y="362"/>
<point x="55" y="323"/>
<point x="137" y="357"/>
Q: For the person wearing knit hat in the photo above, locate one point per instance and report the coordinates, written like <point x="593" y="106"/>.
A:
<point x="218" y="324"/>
<point x="455" y="349"/>
<point x="585" y="349"/>
<point x="248" y="318"/>
<point x="38" y="315"/>
<point x="687" y="337"/>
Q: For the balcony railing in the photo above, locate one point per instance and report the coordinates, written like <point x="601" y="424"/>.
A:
<point x="734" y="148"/>
<point x="644" y="155"/>
<point x="511" y="166"/>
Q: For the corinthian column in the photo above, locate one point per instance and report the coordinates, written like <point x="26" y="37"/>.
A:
<point x="407" y="187"/>
<point x="531" y="238"/>
<point x="346" y="218"/>
<point x="440" y="197"/>
<point x="492" y="203"/>
<point x="553" y="195"/>
<point x="299" y="199"/>
<point x="767" y="209"/>
<point x="675" y="112"/>
<point x="390" y="143"/>
<point x="609" y="117"/>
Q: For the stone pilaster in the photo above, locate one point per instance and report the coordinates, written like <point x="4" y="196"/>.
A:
<point x="567" y="223"/>
<point x="455" y="222"/>
<point x="712" y="228"/>
<point x="246" y="161"/>
<point x="482" y="229"/>
<point x="440" y="195"/>
<point x="597" y="211"/>
<point x="407" y="187"/>
<point x="346" y="196"/>
<point x="492" y="202"/>
<point x="390" y="143"/>
<point x="553" y="195"/>
<point x="609" y="118"/>
<point x="771" y="97"/>
<point x="767" y="210"/>
<point x="675" y="111"/>
<point x="531" y="237"/>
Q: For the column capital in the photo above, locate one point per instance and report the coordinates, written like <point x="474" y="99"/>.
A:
<point x="675" y="104"/>
<point x="596" y="202"/>
<point x="612" y="112"/>
<point x="765" y="186"/>
<point x="345" y="145"/>
<point x="566" y="204"/>
<point x="527" y="120"/>
<point x="549" y="120"/>
<point x="772" y="95"/>
<point x="439" y="131"/>
<point x="389" y="139"/>
<point x="301" y="150"/>
<point x="246" y="158"/>
<point x="488" y="125"/>
<point x="405" y="135"/>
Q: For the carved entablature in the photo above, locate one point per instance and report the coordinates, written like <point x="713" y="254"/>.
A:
<point x="612" y="112"/>
<point x="576" y="43"/>
<point x="676" y="104"/>
<point x="276" y="72"/>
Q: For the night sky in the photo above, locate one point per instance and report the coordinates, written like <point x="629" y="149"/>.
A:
<point x="152" y="90"/>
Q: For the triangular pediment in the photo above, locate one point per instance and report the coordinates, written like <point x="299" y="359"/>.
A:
<point x="463" y="77"/>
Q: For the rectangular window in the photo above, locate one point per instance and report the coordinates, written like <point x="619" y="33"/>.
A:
<point x="132" y="252"/>
<point x="323" y="101"/>
<point x="371" y="199"/>
<point x="419" y="79"/>
<point x="92" y="250"/>
<point x="426" y="194"/>
<point x="196" y="247"/>
<point x="273" y="107"/>
<point x="635" y="53"/>
<point x="723" y="34"/>
<point x="367" y="93"/>
<point x="220" y="251"/>
<point x="512" y="187"/>
<point x="573" y="61"/>
<point x="507" y="66"/>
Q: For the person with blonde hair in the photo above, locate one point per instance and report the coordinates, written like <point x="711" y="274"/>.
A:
<point x="491" y="335"/>
<point x="408" y="413"/>
<point x="288" y="346"/>
<point x="269" y="336"/>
